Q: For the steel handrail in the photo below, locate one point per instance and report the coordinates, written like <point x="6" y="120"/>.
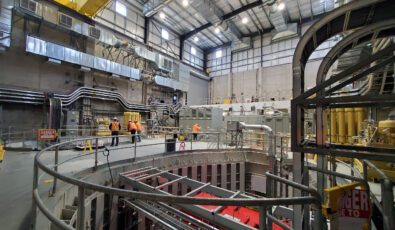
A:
<point x="387" y="195"/>
<point x="83" y="185"/>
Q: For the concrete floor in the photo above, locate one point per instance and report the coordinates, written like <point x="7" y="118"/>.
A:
<point x="17" y="167"/>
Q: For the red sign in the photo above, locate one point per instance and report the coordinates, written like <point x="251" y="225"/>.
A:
<point x="47" y="134"/>
<point x="354" y="209"/>
<point x="355" y="203"/>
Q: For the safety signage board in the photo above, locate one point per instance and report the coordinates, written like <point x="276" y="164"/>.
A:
<point x="354" y="210"/>
<point x="47" y="134"/>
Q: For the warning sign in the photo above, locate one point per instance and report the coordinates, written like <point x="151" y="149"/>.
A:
<point x="354" y="210"/>
<point x="47" y="134"/>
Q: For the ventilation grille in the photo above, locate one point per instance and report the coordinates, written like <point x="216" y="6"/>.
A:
<point x="29" y="5"/>
<point x="94" y="32"/>
<point x="166" y="64"/>
<point x="65" y="20"/>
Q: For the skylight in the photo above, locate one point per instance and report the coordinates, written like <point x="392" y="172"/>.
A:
<point x="218" y="54"/>
<point x="120" y="8"/>
<point x="165" y="34"/>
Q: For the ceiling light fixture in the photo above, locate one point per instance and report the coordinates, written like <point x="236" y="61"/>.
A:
<point x="216" y="30"/>
<point x="185" y="3"/>
<point x="281" y="6"/>
<point x="244" y="20"/>
<point x="196" y="39"/>
<point x="162" y="15"/>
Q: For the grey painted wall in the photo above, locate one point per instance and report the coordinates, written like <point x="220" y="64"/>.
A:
<point x="198" y="91"/>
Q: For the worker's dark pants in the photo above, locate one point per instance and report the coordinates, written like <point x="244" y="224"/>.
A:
<point x="116" y="139"/>
<point x="133" y="133"/>
<point x="195" y="136"/>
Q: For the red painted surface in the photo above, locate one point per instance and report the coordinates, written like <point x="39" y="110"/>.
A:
<point x="243" y="215"/>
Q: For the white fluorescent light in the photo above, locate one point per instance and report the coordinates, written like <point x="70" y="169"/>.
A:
<point x="281" y="6"/>
<point x="244" y="20"/>
<point x="162" y="15"/>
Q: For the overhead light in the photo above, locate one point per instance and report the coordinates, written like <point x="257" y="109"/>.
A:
<point x="281" y="6"/>
<point x="196" y="39"/>
<point x="244" y="20"/>
<point x="185" y="3"/>
<point x="216" y="30"/>
<point x="162" y="15"/>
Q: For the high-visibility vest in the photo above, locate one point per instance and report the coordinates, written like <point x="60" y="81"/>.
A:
<point x="115" y="126"/>
<point x="195" y="128"/>
<point x="139" y="127"/>
<point x="131" y="126"/>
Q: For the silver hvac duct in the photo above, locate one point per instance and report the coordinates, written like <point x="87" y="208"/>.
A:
<point x="265" y="128"/>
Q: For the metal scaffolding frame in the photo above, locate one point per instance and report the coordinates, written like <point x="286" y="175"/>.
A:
<point x="139" y="183"/>
<point x="379" y="20"/>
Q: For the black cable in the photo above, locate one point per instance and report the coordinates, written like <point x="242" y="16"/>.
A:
<point x="106" y="153"/>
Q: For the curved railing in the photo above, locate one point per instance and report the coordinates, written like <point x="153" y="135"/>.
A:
<point x="377" y="30"/>
<point x="52" y="170"/>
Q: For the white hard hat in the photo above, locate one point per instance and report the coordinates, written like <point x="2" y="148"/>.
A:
<point x="115" y="118"/>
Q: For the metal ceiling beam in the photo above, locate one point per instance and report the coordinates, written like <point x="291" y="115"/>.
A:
<point x="209" y="10"/>
<point x="152" y="7"/>
<point x="242" y="9"/>
<point x="267" y="30"/>
<point x="224" y="18"/>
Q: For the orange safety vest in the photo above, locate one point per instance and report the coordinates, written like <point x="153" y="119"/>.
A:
<point x="115" y="126"/>
<point x="195" y="128"/>
<point x="139" y="127"/>
<point x="131" y="126"/>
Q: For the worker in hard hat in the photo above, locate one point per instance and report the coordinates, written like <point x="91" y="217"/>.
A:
<point x="115" y="126"/>
<point x="139" y="128"/>
<point x="132" y="129"/>
<point x="195" y="131"/>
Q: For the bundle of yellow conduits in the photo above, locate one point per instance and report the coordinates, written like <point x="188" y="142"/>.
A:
<point x="345" y="124"/>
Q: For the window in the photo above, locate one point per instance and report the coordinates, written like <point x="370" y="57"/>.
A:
<point x="218" y="54"/>
<point x="120" y="8"/>
<point x="193" y="50"/>
<point x="165" y="34"/>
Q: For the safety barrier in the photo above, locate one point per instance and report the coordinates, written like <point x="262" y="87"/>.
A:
<point x="222" y="143"/>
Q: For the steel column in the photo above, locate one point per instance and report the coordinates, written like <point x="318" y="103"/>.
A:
<point x="81" y="209"/>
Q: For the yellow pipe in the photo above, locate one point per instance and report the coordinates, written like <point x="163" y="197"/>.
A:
<point x="327" y="125"/>
<point x="333" y="126"/>
<point x="360" y="115"/>
<point x="350" y="125"/>
<point x="341" y="121"/>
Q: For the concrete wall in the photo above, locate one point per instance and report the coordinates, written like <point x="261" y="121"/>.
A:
<point x="263" y="83"/>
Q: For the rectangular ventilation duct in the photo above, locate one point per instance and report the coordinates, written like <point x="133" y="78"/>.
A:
<point x="61" y="53"/>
